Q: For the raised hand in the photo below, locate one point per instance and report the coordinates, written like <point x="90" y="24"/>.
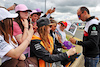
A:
<point x="30" y="31"/>
<point x="72" y="40"/>
<point x="11" y="7"/>
<point x="53" y="10"/>
<point x="25" y="23"/>
<point x="49" y="11"/>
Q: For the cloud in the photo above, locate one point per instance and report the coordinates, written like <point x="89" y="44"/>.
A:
<point x="97" y="8"/>
<point x="75" y="2"/>
<point x="65" y="9"/>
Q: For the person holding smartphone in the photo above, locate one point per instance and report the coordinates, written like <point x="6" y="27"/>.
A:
<point x="21" y="25"/>
<point x="47" y="14"/>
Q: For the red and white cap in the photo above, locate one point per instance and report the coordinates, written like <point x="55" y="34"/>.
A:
<point x="64" y="23"/>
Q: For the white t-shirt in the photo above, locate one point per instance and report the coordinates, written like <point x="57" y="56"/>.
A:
<point x="5" y="48"/>
<point x="62" y="33"/>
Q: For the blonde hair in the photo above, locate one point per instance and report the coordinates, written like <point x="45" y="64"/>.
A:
<point x="44" y="36"/>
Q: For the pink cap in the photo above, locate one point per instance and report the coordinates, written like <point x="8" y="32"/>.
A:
<point x="33" y="12"/>
<point x="21" y="7"/>
<point x="38" y="10"/>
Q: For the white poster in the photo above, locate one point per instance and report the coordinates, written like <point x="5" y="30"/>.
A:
<point x="71" y="28"/>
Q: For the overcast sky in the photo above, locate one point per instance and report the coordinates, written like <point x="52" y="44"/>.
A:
<point x="65" y="9"/>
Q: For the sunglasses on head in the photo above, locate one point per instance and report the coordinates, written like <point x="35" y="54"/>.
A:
<point x="79" y="16"/>
<point x="63" y="25"/>
<point x="39" y="14"/>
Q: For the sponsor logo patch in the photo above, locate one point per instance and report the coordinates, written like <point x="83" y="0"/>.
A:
<point x="93" y="28"/>
<point x="94" y="32"/>
<point x="37" y="46"/>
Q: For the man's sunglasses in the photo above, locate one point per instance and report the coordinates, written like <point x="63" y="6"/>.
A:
<point x="79" y="16"/>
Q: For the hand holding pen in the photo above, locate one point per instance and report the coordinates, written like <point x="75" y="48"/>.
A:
<point x="72" y="40"/>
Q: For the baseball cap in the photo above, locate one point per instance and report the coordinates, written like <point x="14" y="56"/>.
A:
<point x="43" y="21"/>
<point x="64" y="23"/>
<point x="38" y="10"/>
<point x="68" y="44"/>
<point x="21" y="7"/>
<point x="33" y="12"/>
<point x="5" y="14"/>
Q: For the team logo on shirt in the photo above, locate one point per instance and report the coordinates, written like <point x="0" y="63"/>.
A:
<point x="94" y="32"/>
<point x="93" y="28"/>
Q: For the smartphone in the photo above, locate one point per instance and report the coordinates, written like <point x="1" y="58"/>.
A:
<point x="15" y="4"/>
<point x="54" y="8"/>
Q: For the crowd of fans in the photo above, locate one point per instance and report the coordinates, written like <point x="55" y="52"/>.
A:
<point x="28" y="34"/>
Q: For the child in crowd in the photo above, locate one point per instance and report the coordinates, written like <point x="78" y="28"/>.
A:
<point x="54" y="34"/>
<point x="34" y="18"/>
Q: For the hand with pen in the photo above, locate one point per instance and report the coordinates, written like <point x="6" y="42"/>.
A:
<point x="71" y="51"/>
<point x="72" y="40"/>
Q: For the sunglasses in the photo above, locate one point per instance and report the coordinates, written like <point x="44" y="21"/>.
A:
<point x="63" y="25"/>
<point x="79" y="16"/>
<point x="39" y="14"/>
<point x="50" y="26"/>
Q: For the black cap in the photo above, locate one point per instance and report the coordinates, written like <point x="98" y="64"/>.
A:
<point x="51" y="17"/>
<point x="43" y="21"/>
